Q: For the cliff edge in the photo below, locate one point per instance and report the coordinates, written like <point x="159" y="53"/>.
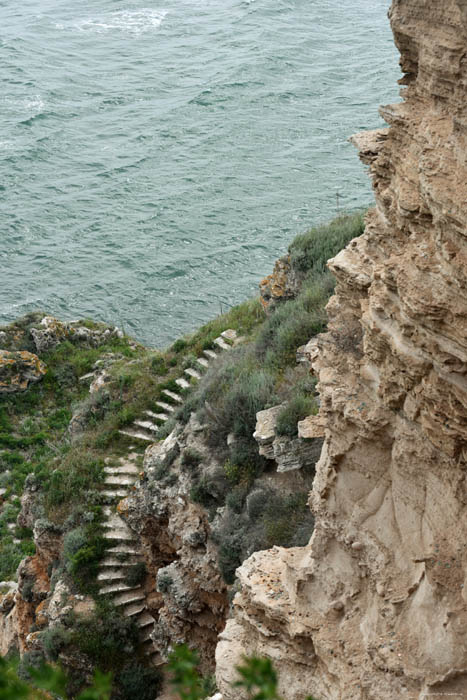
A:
<point x="376" y="605"/>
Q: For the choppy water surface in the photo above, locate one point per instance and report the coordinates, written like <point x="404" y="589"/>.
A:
<point x="155" y="158"/>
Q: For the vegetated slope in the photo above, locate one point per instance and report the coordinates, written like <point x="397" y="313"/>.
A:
<point x="57" y="440"/>
<point x="259" y="373"/>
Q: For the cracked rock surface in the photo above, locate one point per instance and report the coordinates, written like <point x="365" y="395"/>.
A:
<point x="375" y="606"/>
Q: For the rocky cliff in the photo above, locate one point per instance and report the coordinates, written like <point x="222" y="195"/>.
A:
<point x="376" y="605"/>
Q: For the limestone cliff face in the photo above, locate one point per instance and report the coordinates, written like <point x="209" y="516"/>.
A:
<point x="376" y="605"/>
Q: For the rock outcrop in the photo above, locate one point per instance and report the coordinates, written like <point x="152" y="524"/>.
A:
<point x="51" y="332"/>
<point x="376" y="605"/>
<point x="18" y="370"/>
<point x="281" y="285"/>
<point x="289" y="453"/>
<point x="189" y="602"/>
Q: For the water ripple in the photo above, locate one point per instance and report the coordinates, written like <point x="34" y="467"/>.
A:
<point x="155" y="160"/>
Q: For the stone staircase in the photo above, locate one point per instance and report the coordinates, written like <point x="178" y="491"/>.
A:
<point x="124" y="549"/>
<point x="146" y="427"/>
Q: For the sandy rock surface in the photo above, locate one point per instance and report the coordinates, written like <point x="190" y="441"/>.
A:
<point x="376" y="606"/>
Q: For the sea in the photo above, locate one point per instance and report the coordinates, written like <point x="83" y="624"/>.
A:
<point x="156" y="157"/>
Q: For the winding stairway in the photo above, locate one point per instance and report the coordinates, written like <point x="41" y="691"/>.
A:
<point x="124" y="550"/>
<point x="147" y="426"/>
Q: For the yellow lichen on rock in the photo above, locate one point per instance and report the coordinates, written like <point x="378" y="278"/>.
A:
<point x="18" y="370"/>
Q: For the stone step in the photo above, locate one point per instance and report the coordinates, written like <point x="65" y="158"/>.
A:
<point x="149" y="651"/>
<point x="119" y="587"/>
<point x="172" y="395"/>
<point x="114" y="494"/>
<point x="192" y="373"/>
<point x="161" y="416"/>
<point x="128" y="595"/>
<point x="134" y="609"/>
<point x="145" y="635"/>
<point x="130" y="560"/>
<point x="112" y="574"/>
<point x="119" y="480"/>
<point x="114" y="520"/>
<point x="120" y="534"/>
<point x="210" y="354"/>
<point x="87" y="377"/>
<point x="147" y="425"/>
<point x="137" y="435"/>
<point x="125" y="469"/>
<point x="145" y="619"/>
<point x="229" y="334"/>
<point x="124" y="548"/>
<point x="165" y="407"/>
<point x="202" y="362"/>
<point x="220" y="342"/>
<point x="182" y="383"/>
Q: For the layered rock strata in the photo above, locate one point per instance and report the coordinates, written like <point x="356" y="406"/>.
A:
<point x="376" y="605"/>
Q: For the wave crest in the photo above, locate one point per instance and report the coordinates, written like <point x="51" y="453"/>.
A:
<point x="134" y="22"/>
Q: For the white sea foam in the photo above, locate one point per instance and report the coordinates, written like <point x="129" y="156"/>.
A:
<point x="35" y="104"/>
<point x="134" y="22"/>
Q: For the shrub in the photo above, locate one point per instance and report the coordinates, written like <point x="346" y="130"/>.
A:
<point x="164" y="581"/>
<point x="83" y="548"/>
<point x="290" y="326"/>
<point x="158" y="366"/>
<point x="135" y="574"/>
<point x="106" y="637"/>
<point x="73" y="541"/>
<point x="201" y="492"/>
<point x="311" y="250"/>
<point x="125" y="416"/>
<point x="191" y="457"/>
<point x="231" y="538"/>
<point x="236" y="498"/>
<point x="257" y="502"/>
<point x="179" y="345"/>
<point x="288" y="521"/>
<point x="59" y="419"/>
<point x="298" y="408"/>
<point x="139" y="682"/>
<point x="54" y="640"/>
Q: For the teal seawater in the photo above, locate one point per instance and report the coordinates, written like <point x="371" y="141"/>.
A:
<point x="155" y="159"/>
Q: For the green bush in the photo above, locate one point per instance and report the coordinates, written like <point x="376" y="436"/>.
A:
<point x="191" y="458"/>
<point x="106" y="637"/>
<point x="298" y="408"/>
<point x="164" y="582"/>
<point x="59" y="419"/>
<point x="54" y="640"/>
<point x="179" y="345"/>
<point x="83" y="549"/>
<point x="138" y="682"/>
<point x="311" y="250"/>
<point x="158" y="365"/>
<point x="135" y="574"/>
<point x="258" y="501"/>
<point x="201" y="492"/>
<point x="292" y="324"/>
<point x="231" y="539"/>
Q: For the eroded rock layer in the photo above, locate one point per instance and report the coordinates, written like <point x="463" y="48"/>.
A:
<point x="376" y="605"/>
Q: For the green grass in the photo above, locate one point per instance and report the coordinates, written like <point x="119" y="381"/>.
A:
<point x="311" y="250"/>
